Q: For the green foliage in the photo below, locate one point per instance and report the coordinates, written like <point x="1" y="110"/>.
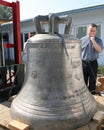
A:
<point x="5" y="12"/>
<point x="101" y="70"/>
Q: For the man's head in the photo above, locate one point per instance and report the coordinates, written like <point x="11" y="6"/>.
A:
<point x="31" y="34"/>
<point x="92" y="30"/>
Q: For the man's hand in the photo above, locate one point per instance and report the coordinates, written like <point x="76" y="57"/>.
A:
<point x="92" y="39"/>
<point x="95" y="44"/>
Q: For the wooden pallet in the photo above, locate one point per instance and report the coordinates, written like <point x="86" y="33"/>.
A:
<point x="5" y="116"/>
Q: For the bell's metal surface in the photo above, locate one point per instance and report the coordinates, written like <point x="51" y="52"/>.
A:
<point x="54" y="95"/>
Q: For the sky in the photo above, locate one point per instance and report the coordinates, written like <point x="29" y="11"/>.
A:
<point x="32" y="8"/>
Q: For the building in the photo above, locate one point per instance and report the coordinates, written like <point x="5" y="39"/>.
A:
<point x="81" y="18"/>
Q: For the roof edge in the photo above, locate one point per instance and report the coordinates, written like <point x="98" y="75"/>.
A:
<point x="81" y="10"/>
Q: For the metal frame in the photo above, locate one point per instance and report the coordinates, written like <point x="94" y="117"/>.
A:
<point x="8" y="86"/>
<point x="16" y="28"/>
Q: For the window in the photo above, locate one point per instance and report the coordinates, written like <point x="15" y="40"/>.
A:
<point x="22" y="41"/>
<point x="81" y="31"/>
<point x="25" y="37"/>
<point x="98" y="31"/>
<point x="6" y="37"/>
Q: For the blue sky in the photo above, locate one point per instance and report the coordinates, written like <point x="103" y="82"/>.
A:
<point x="32" y="8"/>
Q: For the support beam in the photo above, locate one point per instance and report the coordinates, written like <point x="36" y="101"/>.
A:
<point x="16" y="30"/>
<point x="5" y="3"/>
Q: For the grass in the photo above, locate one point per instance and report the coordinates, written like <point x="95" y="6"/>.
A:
<point x="101" y="70"/>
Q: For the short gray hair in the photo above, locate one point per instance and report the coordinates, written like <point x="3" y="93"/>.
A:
<point x="92" y="25"/>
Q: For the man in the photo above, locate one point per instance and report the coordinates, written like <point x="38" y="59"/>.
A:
<point x="30" y="34"/>
<point x="91" y="47"/>
<point x="24" y="54"/>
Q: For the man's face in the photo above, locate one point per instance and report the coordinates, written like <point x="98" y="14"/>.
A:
<point x="92" y="31"/>
<point x="31" y="34"/>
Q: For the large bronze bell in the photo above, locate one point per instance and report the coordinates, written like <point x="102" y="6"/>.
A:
<point x="54" y="95"/>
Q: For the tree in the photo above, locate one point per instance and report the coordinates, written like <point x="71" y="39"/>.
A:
<point x="5" y="12"/>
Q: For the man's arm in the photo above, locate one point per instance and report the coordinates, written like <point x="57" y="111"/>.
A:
<point x="96" y="45"/>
